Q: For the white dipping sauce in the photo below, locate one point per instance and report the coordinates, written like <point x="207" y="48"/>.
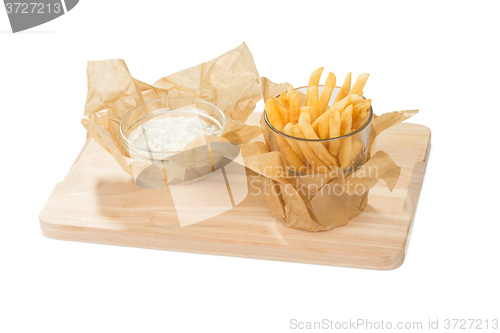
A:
<point x="170" y="134"/>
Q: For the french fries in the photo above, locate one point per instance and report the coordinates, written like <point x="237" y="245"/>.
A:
<point x="341" y="105"/>
<point x="288" y="130"/>
<point x="358" y="86"/>
<point x="345" y="149"/>
<point x="360" y="113"/>
<point x="357" y="149"/>
<point x="334" y="128"/>
<point x="318" y="148"/>
<point x="312" y="97"/>
<point x="324" y="129"/>
<point x="314" y="120"/>
<point x="313" y="160"/>
<point x="294" y="160"/>
<point x="283" y="99"/>
<point x="326" y="94"/>
<point x="344" y="90"/>
<point x="283" y="110"/>
<point x="293" y="106"/>
<point x="273" y="114"/>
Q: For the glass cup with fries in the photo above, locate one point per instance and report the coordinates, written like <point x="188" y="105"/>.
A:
<point x="320" y="127"/>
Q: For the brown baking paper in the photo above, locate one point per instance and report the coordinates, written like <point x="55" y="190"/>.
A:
<point x="323" y="201"/>
<point x="230" y="81"/>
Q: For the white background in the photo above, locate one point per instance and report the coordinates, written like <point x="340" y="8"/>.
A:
<point x="441" y="57"/>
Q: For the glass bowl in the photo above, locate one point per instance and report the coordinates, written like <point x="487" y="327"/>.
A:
<point x="156" y="141"/>
<point x="357" y="140"/>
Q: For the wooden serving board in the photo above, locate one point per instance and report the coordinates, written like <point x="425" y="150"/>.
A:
<point x="98" y="202"/>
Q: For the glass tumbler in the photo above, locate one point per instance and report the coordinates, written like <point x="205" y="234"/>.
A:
<point x="350" y="152"/>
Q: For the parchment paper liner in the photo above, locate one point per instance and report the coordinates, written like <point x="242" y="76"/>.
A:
<point x="230" y="81"/>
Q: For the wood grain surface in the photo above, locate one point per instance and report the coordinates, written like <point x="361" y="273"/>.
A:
<point x="98" y="202"/>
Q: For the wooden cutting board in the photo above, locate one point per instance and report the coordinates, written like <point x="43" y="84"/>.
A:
<point x="98" y="202"/>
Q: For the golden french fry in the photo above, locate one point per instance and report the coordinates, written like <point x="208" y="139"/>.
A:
<point x="346" y="120"/>
<point x="357" y="87"/>
<point x="340" y="106"/>
<point x="360" y="113"/>
<point x="283" y="99"/>
<point x="318" y="147"/>
<point x="273" y="114"/>
<point x="334" y="127"/>
<point x="345" y="149"/>
<point x="281" y="143"/>
<point x="356" y="108"/>
<point x="324" y="129"/>
<point x="288" y="130"/>
<point x="294" y="160"/>
<point x="312" y="101"/>
<point x="283" y="110"/>
<point x="312" y="96"/>
<point x="331" y="80"/>
<point x="305" y="109"/>
<point x="290" y="93"/>
<point x="366" y="106"/>
<point x="313" y="160"/>
<point x="344" y="90"/>
<point x="294" y="108"/>
<point x="272" y="109"/>
<point x="315" y="77"/>
<point x="357" y="149"/>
